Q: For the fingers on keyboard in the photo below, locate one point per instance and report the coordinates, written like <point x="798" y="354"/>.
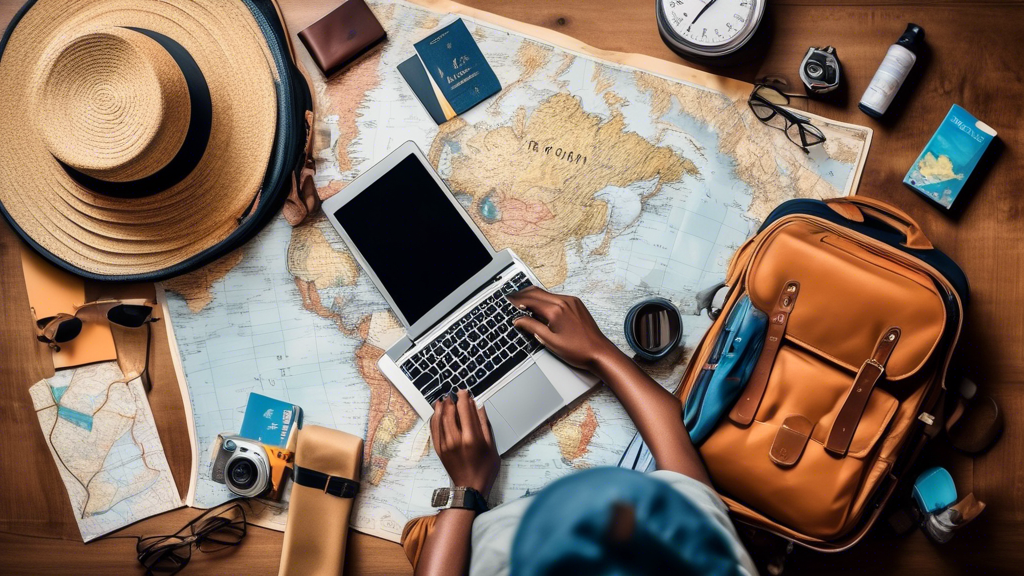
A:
<point x="477" y="350"/>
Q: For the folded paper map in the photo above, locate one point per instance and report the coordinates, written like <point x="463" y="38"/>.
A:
<point x="104" y="441"/>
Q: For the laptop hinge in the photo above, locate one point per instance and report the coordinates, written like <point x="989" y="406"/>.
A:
<point x="399" y="348"/>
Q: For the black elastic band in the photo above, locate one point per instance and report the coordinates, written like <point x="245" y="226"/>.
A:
<point x="192" y="148"/>
<point x="333" y="485"/>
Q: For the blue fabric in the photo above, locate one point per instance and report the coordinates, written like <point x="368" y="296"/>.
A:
<point x="735" y="353"/>
<point x="565" y="530"/>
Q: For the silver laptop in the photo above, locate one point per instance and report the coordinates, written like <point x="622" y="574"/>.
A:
<point x="447" y="286"/>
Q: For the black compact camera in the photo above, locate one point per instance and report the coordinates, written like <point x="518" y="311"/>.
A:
<point x="249" y="468"/>
<point x="820" y="70"/>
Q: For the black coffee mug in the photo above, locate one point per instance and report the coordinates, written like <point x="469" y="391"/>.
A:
<point x="653" y="328"/>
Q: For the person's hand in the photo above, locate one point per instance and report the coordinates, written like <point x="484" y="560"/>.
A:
<point x="564" y="326"/>
<point x="463" y="442"/>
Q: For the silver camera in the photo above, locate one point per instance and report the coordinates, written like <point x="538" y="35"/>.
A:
<point x="242" y="465"/>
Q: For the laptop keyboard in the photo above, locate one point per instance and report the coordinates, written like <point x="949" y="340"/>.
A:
<point x="476" y="351"/>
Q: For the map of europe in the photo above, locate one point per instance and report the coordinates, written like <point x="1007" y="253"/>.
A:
<point x="611" y="183"/>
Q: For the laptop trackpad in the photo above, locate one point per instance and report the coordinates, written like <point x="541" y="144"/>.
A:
<point x="526" y="401"/>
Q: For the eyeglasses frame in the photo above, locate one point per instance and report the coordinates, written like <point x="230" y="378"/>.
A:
<point x="48" y="332"/>
<point x="195" y="539"/>
<point x="792" y="118"/>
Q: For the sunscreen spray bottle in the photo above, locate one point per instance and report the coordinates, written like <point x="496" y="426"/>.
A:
<point x="892" y="72"/>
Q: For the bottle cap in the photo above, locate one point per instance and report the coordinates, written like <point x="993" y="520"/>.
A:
<point x="912" y="37"/>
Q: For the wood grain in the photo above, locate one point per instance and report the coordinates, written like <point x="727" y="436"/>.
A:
<point x="973" y="61"/>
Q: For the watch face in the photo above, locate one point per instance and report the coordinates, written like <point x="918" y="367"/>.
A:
<point x="709" y="27"/>
<point x="441" y="498"/>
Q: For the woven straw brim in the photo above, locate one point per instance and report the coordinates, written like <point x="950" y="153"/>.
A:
<point x="123" y="236"/>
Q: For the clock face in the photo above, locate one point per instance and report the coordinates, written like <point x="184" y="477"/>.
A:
<point x="710" y="24"/>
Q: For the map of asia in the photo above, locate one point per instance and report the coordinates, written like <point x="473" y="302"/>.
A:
<point x="612" y="183"/>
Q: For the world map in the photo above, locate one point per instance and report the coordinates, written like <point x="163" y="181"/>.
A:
<point x="611" y="183"/>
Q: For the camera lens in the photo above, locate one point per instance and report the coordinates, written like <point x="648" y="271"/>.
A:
<point x="242" y="474"/>
<point x="814" y="70"/>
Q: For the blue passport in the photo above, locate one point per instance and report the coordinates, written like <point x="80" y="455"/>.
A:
<point x="449" y="74"/>
<point x="270" y="421"/>
<point x="951" y="155"/>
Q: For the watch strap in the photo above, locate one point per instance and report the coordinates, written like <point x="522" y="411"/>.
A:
<point x="459" y="497"/>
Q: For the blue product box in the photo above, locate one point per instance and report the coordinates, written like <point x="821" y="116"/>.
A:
<point x="947" y="161"/>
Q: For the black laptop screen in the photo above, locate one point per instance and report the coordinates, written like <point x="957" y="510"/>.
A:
<point x="413" y="238"/>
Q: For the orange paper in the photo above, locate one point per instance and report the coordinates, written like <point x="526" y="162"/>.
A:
<point x="52" y="291"/>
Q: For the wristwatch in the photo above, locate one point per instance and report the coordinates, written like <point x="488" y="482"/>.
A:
<point x="459" y="497"/>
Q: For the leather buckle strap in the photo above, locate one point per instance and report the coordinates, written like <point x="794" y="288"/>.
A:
<point x="743" y="411"/>
<point x="333" y="485"/>
<point x="871" y="371"/>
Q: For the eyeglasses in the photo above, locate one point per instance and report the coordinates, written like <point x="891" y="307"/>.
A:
<point x="767" y="104"/>
<point x="62" y="328"/>
<point x="208" y="532"/>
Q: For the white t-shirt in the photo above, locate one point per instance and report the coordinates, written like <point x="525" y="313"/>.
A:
<point x="494" y="531"/>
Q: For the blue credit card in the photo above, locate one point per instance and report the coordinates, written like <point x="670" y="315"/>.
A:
<point x="457" y="69"/>
<point x="269" y="420"/>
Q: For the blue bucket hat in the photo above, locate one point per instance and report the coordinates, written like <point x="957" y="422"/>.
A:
<point x="576" y="526"/>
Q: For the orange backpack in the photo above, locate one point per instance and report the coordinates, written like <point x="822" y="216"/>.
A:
<point x="863" y="316"/>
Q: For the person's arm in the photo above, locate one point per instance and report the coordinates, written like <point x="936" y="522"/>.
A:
<point x="566" y="328"/>
<point x="462" y="439"/>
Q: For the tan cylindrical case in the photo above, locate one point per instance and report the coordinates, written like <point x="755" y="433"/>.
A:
<point x="317" y="530"/>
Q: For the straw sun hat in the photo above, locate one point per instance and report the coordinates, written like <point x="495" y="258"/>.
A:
<point x="137" y="134"/>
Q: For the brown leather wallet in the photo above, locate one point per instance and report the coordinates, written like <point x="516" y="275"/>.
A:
<point x="342" y="36"/>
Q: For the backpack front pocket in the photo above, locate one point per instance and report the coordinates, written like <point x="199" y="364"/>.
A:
<point x="816" y="491"/>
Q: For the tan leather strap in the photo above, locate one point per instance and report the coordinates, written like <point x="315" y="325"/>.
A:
<point x="847" y="210"/>
<point x="743" y="411"/>
<point x="870" y="373"/>
<point x="303" y="199"/>
<point x="967" y="509"/>
<point x="892" y="216"/>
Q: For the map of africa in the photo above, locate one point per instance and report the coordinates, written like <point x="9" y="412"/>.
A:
<point x="612" y="183"/>
<point x="101" y="433"/>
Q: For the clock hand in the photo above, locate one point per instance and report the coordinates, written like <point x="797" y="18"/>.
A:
<point x="701" y="13"/>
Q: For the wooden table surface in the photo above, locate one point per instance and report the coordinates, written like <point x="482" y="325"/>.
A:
<point x="974" y="60"/>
